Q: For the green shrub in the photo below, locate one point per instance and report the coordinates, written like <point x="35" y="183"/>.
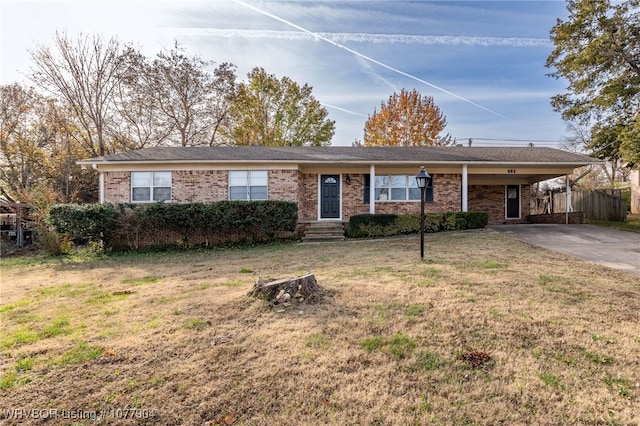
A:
<point x="407" y="223"/>
<point x="432" y="222"/>
<point x="52" y="242"/>
<point x="477" y="220"/>
<point x="83" y="222"/>
<point x="134" y="226"/>
<point x="449" y="222"/>
<point x="380" y="225"/>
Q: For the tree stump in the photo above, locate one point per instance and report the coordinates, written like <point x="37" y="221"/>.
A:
<point x="302" y="289"/>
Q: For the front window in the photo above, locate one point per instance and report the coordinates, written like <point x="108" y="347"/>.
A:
<point x="248" y="185"/>
<point x="400" y="188"/>
<point x="150" y="186"/>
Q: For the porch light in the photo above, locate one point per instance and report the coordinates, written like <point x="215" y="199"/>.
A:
<point x="422" y="178"/>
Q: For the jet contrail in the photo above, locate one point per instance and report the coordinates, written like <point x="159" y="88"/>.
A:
<point x="369" y="38"/>
<point x="343" y="110"/>
<point x="360" y="55"/>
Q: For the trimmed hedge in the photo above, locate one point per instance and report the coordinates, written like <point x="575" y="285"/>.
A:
<point x="382" y="225"/>
<point x="136" y="226"/>
<point x="83" y="222"/>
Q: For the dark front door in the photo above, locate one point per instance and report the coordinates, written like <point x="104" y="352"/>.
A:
<point x="513" y="201"/>
<point x="330" y="196"/>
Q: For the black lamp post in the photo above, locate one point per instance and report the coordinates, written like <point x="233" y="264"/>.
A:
<point x="423" y="179"/>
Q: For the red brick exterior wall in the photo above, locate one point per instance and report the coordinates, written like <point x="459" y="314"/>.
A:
<point x="491" y="198"/>
<point x="308" y="201"/>
<point x="292" y="185"/>
<point x="283" y="185"/>
<point x="353" y="196"/>
<point x="559" y="218"/>
<point x="117" y="187"/>
<point x="199" y="186"/>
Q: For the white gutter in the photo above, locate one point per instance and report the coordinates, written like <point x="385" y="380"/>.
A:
<point x="358" y="162"/>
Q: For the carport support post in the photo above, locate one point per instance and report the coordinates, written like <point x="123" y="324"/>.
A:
<point x="465" y="182"/>
<point x="372" y="189"/>
<point x="567" y="201"/>
<point x="18" y="225"/>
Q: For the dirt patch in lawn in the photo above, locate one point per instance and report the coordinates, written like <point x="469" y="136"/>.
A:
<point x="488" y="330"/>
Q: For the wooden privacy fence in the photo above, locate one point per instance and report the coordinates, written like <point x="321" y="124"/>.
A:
<point x="598" y="205"/>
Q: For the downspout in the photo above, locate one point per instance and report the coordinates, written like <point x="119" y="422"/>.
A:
<point x="372" y="189"/>
<point x="465" y="189"/>
<point x="100" y="184"/>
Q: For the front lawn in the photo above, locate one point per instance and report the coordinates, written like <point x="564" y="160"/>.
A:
<point x="488" y="330"/>
<point x="632" y="224"/>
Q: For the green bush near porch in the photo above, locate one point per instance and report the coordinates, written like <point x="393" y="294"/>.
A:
<point x="384" y="225"/>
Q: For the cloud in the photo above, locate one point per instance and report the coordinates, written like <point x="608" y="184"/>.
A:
<point x="365" y="57"/>
<point x="364" y="37"/>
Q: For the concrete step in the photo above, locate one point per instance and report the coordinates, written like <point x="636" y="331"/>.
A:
<point x="323" y="232"/>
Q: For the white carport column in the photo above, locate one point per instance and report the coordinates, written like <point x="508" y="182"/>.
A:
<point x="568" y="202"/>
<point x="372" y="189"/>
<point x="465" y="187"/>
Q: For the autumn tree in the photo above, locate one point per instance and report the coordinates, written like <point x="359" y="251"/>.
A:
<point x="278" y="112"/>
<point x="39" y="148"/>
<point x="597" y="50"/>
<point x="406" y="119"/>
<point x="17" y="167"/>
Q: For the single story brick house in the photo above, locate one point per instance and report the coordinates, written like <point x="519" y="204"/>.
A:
<point x="334" y="183"/>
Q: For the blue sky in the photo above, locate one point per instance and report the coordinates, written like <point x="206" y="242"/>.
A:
<point x="481" y="61"/>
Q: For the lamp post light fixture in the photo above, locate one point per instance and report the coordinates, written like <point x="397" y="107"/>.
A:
<point x="422" y="178"/>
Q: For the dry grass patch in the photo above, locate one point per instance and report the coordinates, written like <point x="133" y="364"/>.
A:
<point x="488" y="330"/>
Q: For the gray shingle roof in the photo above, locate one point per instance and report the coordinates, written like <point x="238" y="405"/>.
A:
<point x="535" y="155"/>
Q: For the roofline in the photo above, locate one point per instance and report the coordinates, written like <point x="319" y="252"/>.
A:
<point x="333" y="161"/>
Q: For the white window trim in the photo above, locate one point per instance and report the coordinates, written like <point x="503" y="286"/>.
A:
<point x="151" y="188"/>
<point x="248" y="190"/>
<point x="406" y="188"/>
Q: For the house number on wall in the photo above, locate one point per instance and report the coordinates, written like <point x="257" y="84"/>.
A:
<point x="511" y="171"/>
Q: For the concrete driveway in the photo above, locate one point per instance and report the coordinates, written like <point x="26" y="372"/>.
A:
<point x="609" y="247"/>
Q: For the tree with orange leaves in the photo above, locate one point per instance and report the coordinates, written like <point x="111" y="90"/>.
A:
<point x="407" y="119"/>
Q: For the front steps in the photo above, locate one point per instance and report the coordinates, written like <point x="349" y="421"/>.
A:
<point x="323" y="231"/>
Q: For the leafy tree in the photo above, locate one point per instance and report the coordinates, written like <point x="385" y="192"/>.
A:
<point x="19" y="155"/>
<point x="597" y="50"/>
<point x="39" y="148"/>
<point x="273" y="112"/>
<point x="600" y="176"/>
<point x="407" y="119"/>
<point x="630" y="141"/>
